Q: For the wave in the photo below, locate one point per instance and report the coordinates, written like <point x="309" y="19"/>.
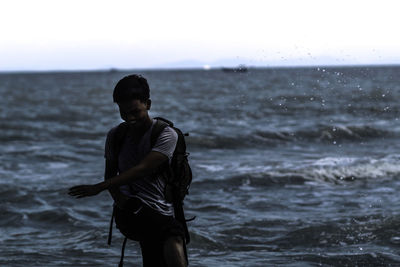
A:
<point x="348" y="259"/>
<point x="343" y="133"/>
<point x="320" y="134"/>
<point x="252" y="179"/>
<point x="39" y="131"/>
<point x="329" y="170"/>
<point x="345" y="169"/>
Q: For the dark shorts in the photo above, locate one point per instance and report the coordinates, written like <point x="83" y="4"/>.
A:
<point x="142" y="223"/>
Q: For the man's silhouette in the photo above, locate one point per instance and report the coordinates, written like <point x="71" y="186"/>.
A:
<point x="142" y="211"/>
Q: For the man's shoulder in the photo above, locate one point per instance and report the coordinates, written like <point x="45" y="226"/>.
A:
<point x="115" y="132"/>
<point x="161" y="126"/>
<point x="166" y="142"/>
<point x="117" y="128"/>
<point x="170" y="131"/>
<point x="166" y="132"/>
<point x="112" y="131"/>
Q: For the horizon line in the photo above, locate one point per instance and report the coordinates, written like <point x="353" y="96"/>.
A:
<point x="114" y="69"/>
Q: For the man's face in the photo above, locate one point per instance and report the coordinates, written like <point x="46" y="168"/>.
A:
<point x="135" y="112"/>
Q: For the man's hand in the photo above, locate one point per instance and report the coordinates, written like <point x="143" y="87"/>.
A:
<point x="80" y="191"/>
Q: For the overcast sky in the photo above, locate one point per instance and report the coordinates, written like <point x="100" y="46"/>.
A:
<point x="86" y="34"/>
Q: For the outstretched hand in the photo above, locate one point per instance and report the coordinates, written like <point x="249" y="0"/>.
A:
<point x="80" y="191"/>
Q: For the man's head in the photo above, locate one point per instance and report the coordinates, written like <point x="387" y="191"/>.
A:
<point x="131" y="87"/>
<point x="132" y="94"/>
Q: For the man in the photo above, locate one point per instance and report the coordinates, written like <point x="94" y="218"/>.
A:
<point x="142" y="210"/>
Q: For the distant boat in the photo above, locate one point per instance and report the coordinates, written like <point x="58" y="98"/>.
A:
<point x="239" y="69"/>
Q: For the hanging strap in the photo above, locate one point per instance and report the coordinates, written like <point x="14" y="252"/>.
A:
<point x="185" y="252"/>
<point x="121" y="262"/>
<point x="111" y="227"/>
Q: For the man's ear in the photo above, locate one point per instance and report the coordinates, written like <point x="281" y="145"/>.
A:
<point x="148" y="104"/>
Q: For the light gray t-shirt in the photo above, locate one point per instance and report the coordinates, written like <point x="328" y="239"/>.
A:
<point x="150" y="190"/>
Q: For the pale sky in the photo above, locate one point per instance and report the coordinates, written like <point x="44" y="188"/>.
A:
<point x="86" y="34"/>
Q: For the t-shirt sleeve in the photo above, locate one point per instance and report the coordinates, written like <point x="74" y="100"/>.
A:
<point x="109" y="153"/>
<point x="166" y="142"/>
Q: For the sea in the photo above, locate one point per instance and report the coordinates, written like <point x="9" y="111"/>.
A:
<point x="291" y="166"/>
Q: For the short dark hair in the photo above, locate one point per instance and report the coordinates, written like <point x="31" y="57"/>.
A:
<point x="131" y="87"/>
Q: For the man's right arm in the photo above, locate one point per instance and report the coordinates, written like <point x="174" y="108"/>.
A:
<point x="111" y="165"/>
<point x="111" y="170"/>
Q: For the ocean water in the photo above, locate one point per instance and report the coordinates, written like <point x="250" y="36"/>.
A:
<point x="292" y="166"/>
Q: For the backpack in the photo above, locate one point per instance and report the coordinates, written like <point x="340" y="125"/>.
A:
<point x="178" y="174"/>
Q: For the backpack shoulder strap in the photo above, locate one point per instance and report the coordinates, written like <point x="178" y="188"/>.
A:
<point x="121" y="130"/>
<point x="158" y="127"/>
<point x="119" y="136"/>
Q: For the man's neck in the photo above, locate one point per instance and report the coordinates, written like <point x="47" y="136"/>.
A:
<point x="147" y="125"/>
<point x="137" y="133"/>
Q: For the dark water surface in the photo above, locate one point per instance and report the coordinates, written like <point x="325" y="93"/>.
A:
<point x="292" y="167"/>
